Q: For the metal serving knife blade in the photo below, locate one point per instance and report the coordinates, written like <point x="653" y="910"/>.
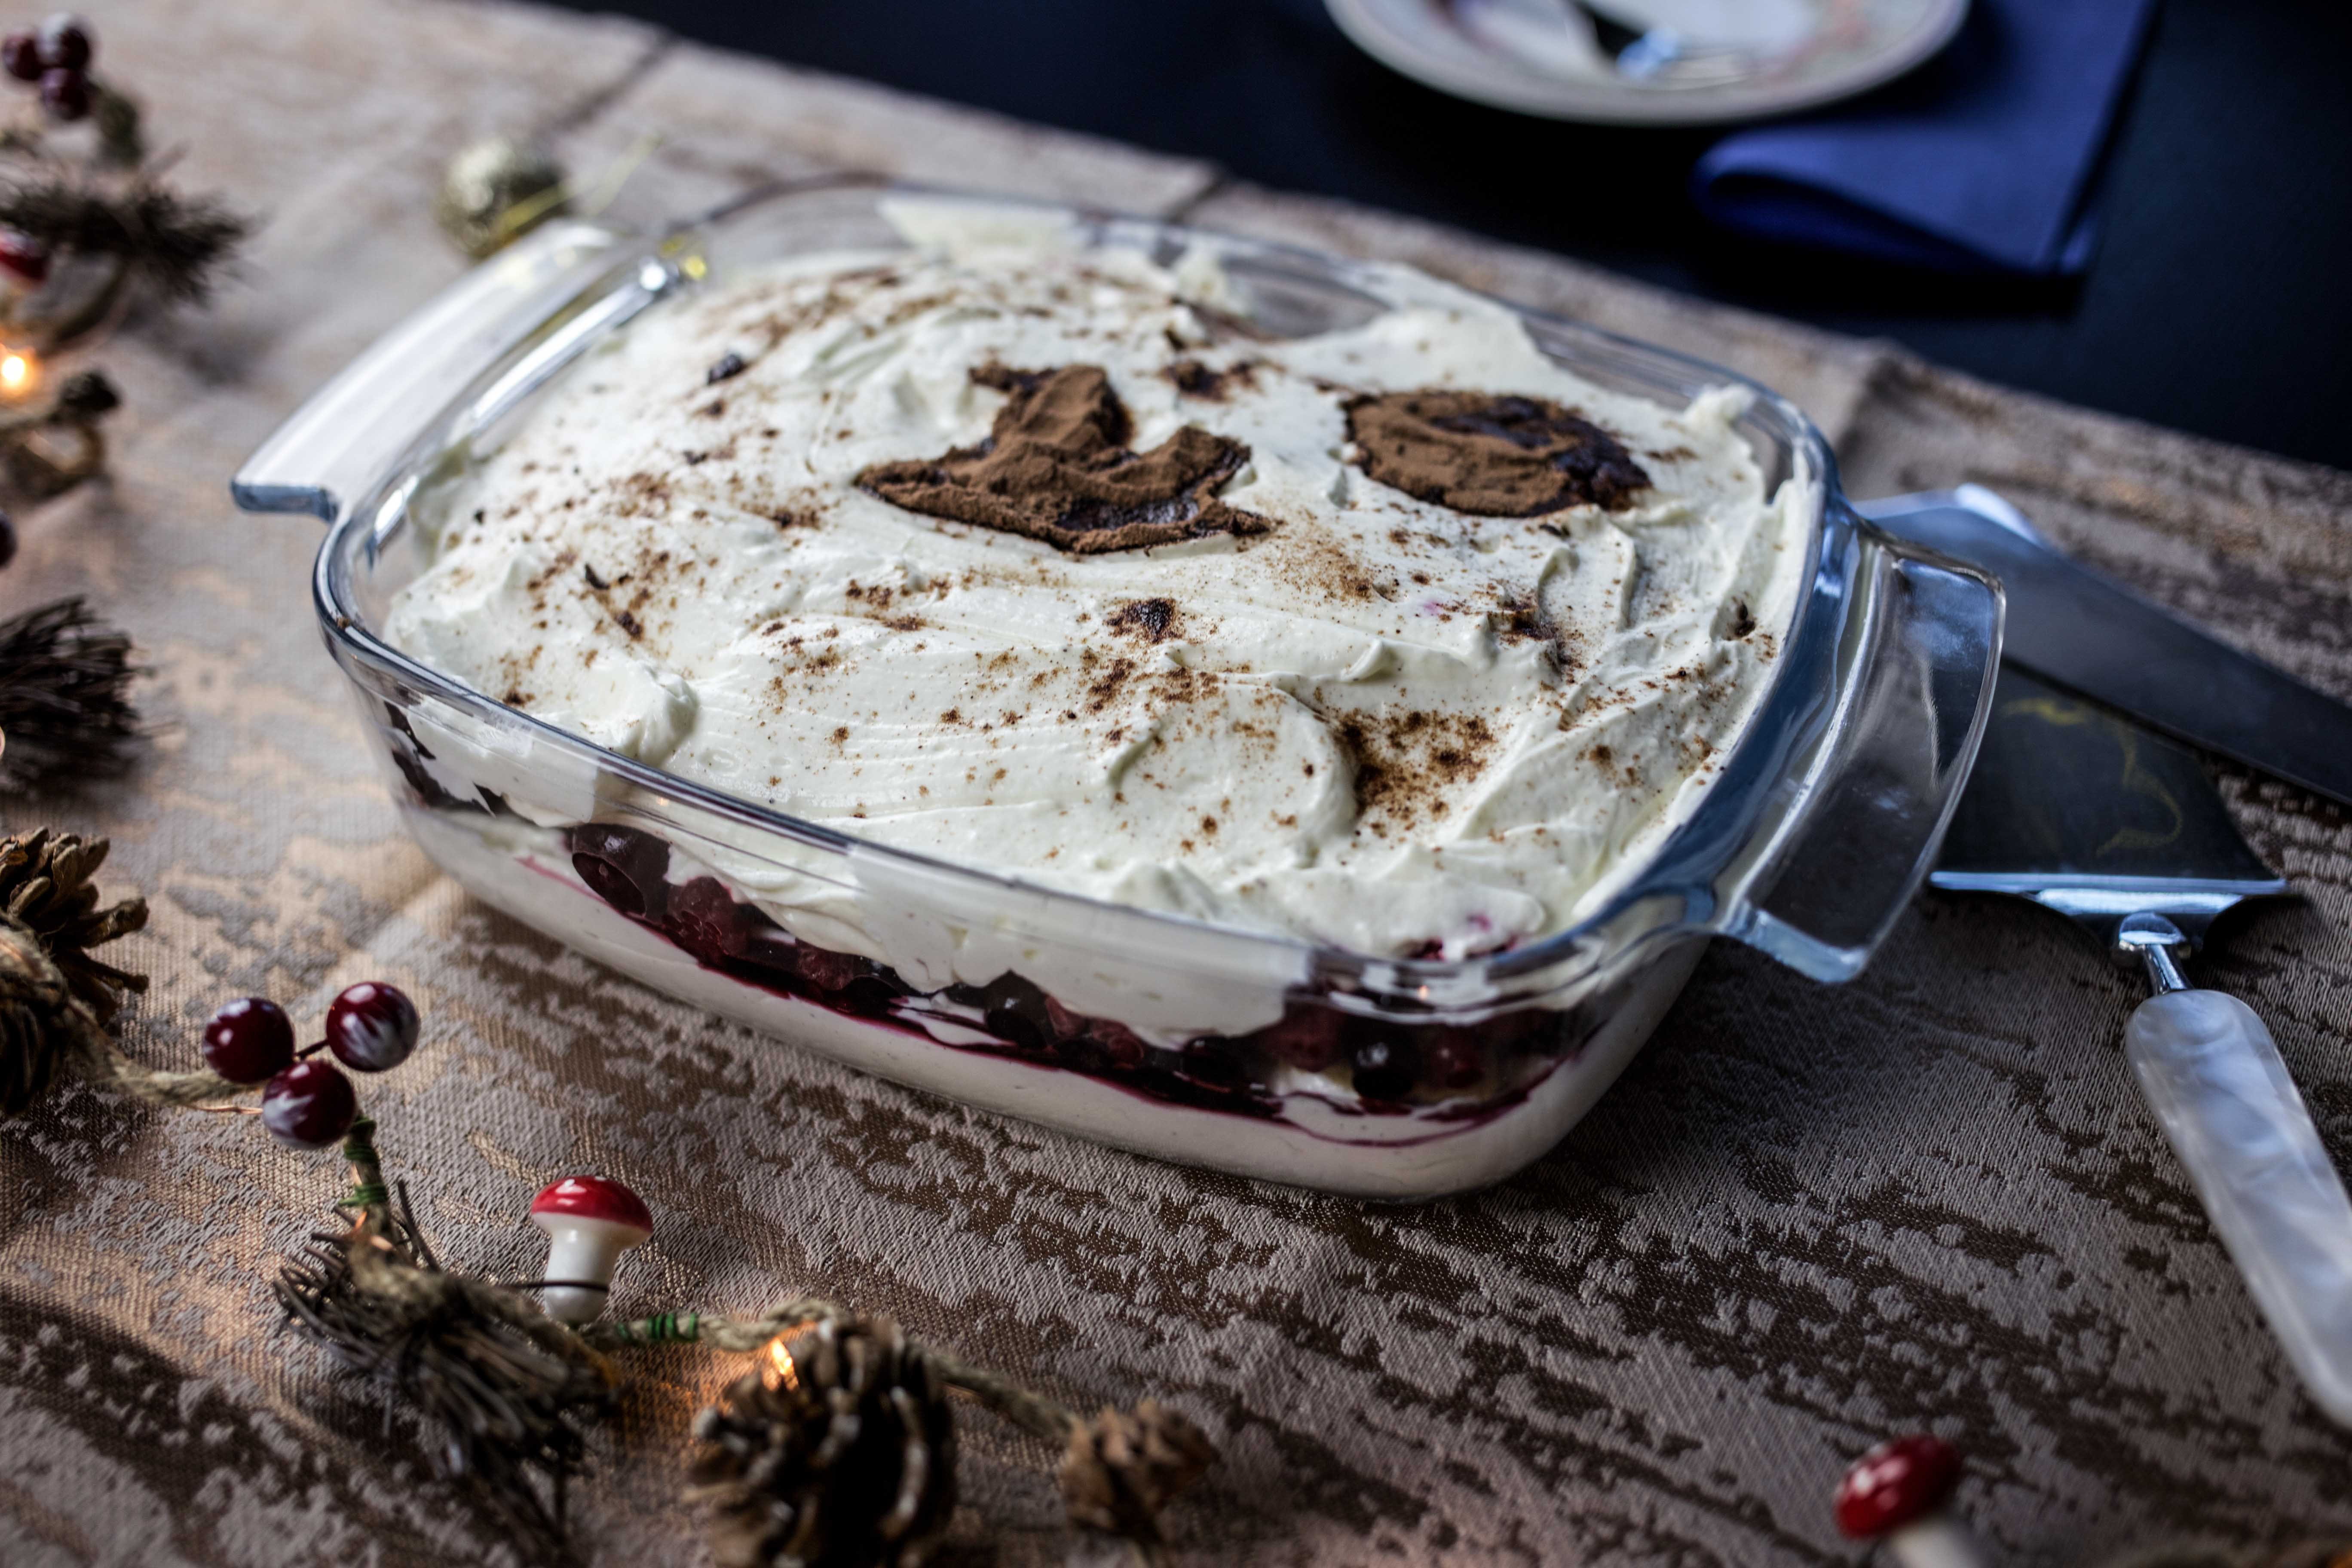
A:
<point x="2074" y="626"/>
<point x="2088" y="813"/>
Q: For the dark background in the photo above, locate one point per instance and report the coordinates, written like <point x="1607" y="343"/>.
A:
<point x="2220" y="299"/>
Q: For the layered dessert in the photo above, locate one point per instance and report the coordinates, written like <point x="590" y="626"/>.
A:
<point x="1046" y="559"/>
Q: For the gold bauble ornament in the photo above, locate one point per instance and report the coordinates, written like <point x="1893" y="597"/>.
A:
<point x="497" y="191"/>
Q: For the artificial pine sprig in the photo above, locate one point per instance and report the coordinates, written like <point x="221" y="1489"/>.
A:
<point x="65" y="696"/>
<point x="87" y="227"/>
<point x="108" y="205"/>
<point x="172" y="244"/>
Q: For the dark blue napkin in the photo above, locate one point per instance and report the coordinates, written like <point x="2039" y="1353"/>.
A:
<point x="1983" y="160"/>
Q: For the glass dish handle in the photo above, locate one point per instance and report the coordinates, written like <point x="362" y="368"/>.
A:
<point x="347" y="436"/>
<point x="1923" y="646"/>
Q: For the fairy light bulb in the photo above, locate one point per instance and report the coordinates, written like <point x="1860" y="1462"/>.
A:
<point x="16" y="370"/>
<point x="780" y="1372"/>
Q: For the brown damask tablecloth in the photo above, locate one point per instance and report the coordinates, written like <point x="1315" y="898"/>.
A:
<point x="1808" y="1217"/>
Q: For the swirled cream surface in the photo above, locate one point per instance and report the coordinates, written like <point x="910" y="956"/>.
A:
<point x="1028" y="555"/>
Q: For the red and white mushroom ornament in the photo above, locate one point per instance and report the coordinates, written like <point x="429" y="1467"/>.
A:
<point x="590" y="1221"/>
<point x="1900" y="1492"/>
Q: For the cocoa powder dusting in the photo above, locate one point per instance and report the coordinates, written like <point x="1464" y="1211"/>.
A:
<point x="1491" y="455"/>
<point x="1057" y="468"/>
<point x="1193" y="379"/>
<point x="1153" y="620"/>
<point x="1405" y="762"/>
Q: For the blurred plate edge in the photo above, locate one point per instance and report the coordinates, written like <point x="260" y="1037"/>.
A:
<point x="1414" y="37"/>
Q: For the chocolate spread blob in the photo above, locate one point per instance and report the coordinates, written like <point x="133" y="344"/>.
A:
<point x="1056" y="466"/>
<point x="1490" y="454"/>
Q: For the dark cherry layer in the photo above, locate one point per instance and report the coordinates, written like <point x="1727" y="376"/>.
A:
<point x="1393" y="1065"/>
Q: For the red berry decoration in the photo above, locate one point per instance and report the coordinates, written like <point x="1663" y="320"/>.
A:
<point x="20" y="57"/>
<point x="24" y="257"/>
<point x="64" y="93"/>
<point x="371" y="1027"/>
<point x="248" y="1040"/>
<point x="1895" y="1484"/>
<point x="64" y="43"/>
<point x="309" y="1105"/>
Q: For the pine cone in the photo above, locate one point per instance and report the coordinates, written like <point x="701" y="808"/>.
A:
<point x="839" y="1453"/>
<point x="40" y="1022"/>
<point x="55" y="998"/>
<point x="1121" y="1467"/>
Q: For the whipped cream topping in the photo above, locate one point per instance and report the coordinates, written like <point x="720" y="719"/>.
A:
<point x="1356" y="715"/>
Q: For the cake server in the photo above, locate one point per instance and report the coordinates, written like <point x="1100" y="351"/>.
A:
<point x="2080" y="629"/>
<point x="2084" y="812"/>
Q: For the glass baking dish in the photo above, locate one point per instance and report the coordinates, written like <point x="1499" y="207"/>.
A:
<point x="1231" y="1049"/>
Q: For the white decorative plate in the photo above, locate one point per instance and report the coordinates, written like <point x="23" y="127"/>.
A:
<point x="1495" y="52"/>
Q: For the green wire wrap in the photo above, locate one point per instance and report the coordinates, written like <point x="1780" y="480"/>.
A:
<point x="368" y="1190"/>
<point x="662" y="1328"/>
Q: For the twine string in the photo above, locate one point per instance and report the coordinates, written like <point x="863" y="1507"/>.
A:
<point x="103" y="1064"/>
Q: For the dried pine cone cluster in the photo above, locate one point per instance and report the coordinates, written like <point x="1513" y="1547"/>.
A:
<point x="55" y="1000"/>
<point x="507" y="1392"/>
<point x="1123" y="1466"/>
<point x="839" y="1453"/>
